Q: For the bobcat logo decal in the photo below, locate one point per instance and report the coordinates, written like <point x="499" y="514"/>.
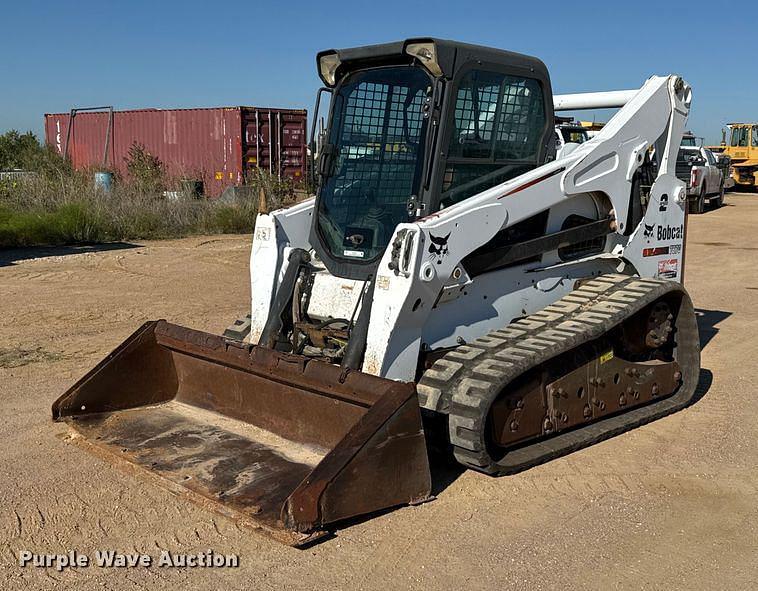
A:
<point x="438" y="247"/>
<point x="649" y="231"/>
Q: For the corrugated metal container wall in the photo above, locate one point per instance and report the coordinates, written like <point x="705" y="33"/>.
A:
<point x="286" y="144"/>
<point x="218" y="146"/>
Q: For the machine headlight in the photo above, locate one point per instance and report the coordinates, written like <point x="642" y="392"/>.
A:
<point x="327" y="66"/>
<point x="427" y="55"/>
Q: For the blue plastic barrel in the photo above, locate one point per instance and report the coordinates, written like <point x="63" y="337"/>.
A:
<point x="104" y="181"/>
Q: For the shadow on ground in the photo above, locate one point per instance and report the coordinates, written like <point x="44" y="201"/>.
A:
<point x="445" y="471"/>
<point x="703" y="385"/>
<point x="10" y="256"/>
<point x="739" y="190"/>
<point x="710" y="208"/>
<point x="707" y="321"/>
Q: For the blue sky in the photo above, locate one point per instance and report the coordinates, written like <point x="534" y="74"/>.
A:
<point x="55" y="55"/>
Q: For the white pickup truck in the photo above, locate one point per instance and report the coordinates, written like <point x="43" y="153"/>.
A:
<point x="568" y="137"/>
<point x="698" y="167"/>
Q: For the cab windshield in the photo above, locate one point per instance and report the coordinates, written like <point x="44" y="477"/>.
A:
<point x="739" y="137"/>
<point x="377" y="136"/>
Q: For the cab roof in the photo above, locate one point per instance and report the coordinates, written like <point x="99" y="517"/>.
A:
<point x="451" y="56"/>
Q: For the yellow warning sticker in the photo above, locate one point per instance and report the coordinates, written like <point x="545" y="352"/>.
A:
<point x="606" y="357"/>
<point x="219" y="176"/>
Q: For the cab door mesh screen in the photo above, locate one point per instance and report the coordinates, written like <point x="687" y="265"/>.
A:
<point x="379" y="146"/>
<point x="499" y="121"/>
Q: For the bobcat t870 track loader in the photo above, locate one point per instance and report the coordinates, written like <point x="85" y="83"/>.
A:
<point x="452" y="283"/>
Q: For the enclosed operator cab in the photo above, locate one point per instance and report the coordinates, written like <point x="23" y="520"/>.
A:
<point x="417" y="126"/>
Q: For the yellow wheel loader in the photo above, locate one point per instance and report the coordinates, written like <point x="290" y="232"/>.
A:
<point x="452" y="288"/>
<point x="742" y="150"/>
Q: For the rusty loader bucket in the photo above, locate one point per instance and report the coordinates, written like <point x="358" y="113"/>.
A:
<point x="274" y="440"/>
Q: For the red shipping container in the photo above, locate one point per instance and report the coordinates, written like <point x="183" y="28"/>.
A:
<point x="218" y="146"/>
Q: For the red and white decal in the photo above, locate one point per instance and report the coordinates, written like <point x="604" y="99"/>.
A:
<point x="668" y="268"/>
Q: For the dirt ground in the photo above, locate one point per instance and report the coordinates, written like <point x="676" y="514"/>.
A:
<point x="672" y="505"/>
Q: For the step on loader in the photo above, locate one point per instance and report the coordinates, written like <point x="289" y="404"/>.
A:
<point x="452" y="286"/>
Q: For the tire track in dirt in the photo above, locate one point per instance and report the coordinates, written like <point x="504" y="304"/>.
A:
<point x="392" y="555"/>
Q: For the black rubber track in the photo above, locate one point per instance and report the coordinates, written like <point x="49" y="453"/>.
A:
<point x="466" y="381"/>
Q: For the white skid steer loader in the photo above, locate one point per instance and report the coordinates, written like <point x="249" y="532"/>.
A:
<point x="452" y="283"/>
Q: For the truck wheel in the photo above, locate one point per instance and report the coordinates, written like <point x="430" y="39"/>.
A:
<point x="718" y="201"/>
<point x="698" y="205"/>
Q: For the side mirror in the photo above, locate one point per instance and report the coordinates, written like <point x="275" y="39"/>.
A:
<point x="316" y="140"/>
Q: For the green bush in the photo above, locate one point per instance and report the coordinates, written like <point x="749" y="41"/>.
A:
<point x="145" y="170"/>
<point x="57" y="205"/>
<point x="23" y="151"/>
<point x="277" y="192"/>
<point x="71" y="223"/>
<point x="94" y="217"/>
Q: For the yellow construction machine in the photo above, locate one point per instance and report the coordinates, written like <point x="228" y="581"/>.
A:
<point x="742" y="149"/>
